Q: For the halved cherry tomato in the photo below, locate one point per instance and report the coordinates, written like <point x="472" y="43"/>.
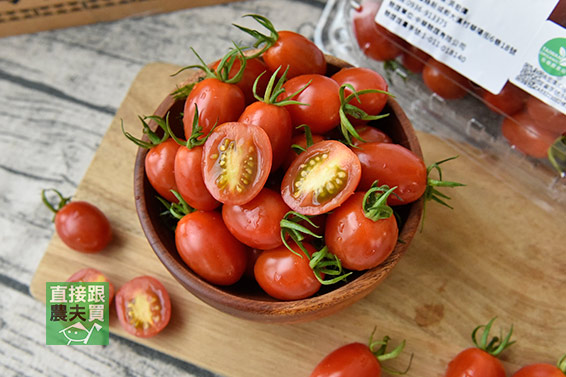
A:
<point x="160" y="168"/>
<point x="218" y="102"/>
<point x="444" y="81"/>
<point x="509" y="101"/>
<point x="285" y="275"/>
<point x="256" y="223"/>
<point x="91" y="275"/>
<point x="374" y="40"/>
<point x="321" y="178"/>
<point x="143" y="306"/>
<point x="254" y="68"/>
<point x="370" y="135"/>
<point x="236" y="162"/>
<point x="364" y="78"/>
<point x="359" y="242"/>
<point x="545" y="116"/>
<point x="392" y="165"/>
<point x="209" y="249"/>
<point x="523" y="133"/>
<point x="321" y="99"/>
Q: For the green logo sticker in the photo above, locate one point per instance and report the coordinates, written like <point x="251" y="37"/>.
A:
<point x="552" y="57"/>
<point x="77" y="313"/>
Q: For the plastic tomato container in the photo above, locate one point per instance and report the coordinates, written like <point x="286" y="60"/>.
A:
<point x="465" y="105"/>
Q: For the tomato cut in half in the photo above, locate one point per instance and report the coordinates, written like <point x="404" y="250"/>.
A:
<point x="143" y="306"/>
<point x="321" y="178"/>
<point x="236" y="162"/>
<point x="92" y="275"/>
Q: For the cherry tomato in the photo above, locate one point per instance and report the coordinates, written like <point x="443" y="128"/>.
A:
<point x="321" y="178"/>
<point x="360" y="79"/>
<point x="392" y="165"/>
<point x="236" y="162"/>
<point x="83" y="227"/>
<point x="444" y="81"/>
<point x="143" y="306"/>
<point x="539" y="370"/>
<point x="301" y="141"/>
<point x="322" y="112"/>
<point x="276" y="122"/>
<point x="91" y="275"/>
<point x="209" y="249"/>
<point x="546" y="117"/>
<point x="359" y="242"/>
<point x="374" y="40"/>
<point x="474" y="362"/>
<point x="297" y="52"/>
<point x="414" y="59"/>
<point x="256" y="223"/>
<point x="189" y="180"/>
<point x="509" y="101"/>
<point x="160" y="168"/>
<point x="285" y="275"/>
<point x="370" y="135"/>
<point x="254" y="68"/>
<point x="523" y="133"/>
<point x="354" y="359"/>
<point x="217" y="102"/>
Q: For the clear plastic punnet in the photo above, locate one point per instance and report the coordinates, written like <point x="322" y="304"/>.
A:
<point x="510" y="118"/>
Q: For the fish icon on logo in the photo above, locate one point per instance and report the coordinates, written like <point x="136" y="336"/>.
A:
<point x="77" y="332"/>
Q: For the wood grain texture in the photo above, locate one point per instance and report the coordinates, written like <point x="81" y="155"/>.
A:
<point x="495" y="254"/>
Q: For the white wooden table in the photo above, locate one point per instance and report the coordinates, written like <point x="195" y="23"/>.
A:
<point x="59" y="90"/>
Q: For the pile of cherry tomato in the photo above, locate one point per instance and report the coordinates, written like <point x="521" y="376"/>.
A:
<point x="280" y="172"/>
<point x="528" y="124"/>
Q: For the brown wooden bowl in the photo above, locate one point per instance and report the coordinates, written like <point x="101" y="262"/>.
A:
<point x="245" y="299"/>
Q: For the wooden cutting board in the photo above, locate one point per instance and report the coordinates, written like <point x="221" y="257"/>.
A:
<point x="495" y="254"/>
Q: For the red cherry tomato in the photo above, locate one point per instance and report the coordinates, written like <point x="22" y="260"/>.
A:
<point x="254" y="68"/>
<point x="546" y="117"/>
<point x="143" y="306"/>
<point x="236" y="162"/>
<point x="83" y="227"/>
<point x="276" y="122"/>
<point x="321" y="178"/>
<point x="322" y="112"/>
<point x="523" y="133"/>
<point x="359" y="243"/>
<point x="473" y="362"/>
<point x="354" y="359"/>
<point x="285" y="275"/>
<point x="91" y="275"/>
<point x="370" y="135"/>
<point x="217" y="103"/>
<point x="301" y="141"/>
<point x="392" y="165"/>
<point x="209" y="249"/>
<point x="296" y="52"/>
<point x="509" y="101"/>
<point x="360" y="79"/>
<point x="444" y="81"/>
<point x="160" y="168"/>
<point x="539" y="370"/>
<point x="256" y="223"/>
<point x="414" y="59"/>
<point x="189" y="180"/>
<point x="374" y="40"/>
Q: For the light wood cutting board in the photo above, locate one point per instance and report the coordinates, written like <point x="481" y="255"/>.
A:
<point x="495" y="254"/>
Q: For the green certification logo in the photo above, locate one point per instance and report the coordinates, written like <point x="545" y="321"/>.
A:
<point x="77" y="313"/>
<point x="552" y="57"/>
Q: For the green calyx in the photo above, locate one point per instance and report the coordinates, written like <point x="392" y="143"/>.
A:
<point x="196" y="138"/>
<point x="393" y="66"/>
<point x="561" y="364"/>
<point x="379" y="349"/>
<point x="321" y="262"/>
<point x="495" y="345"/>
<point x="374" y="204"/>
<point x="557" y="155"/>
<point x="62" y="201"/>
<point x="308" y="138"/>
<point x="154" y="138"/>
<point x="177" y="210"/>
<point x="274" y="90"/>
<point x="347" y="109"/>
<point x="267" y="40"/>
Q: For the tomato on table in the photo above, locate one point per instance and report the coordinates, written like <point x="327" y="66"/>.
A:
<point x="209" y="249"/>
<point x="543" y="369"/>
<point x="92" y="275"/>
<point x="523" y="133"/>
<point x="143" y="306"/>
<point x="81" y="225"/>
<point x="444" y="81"/>
<point x="236" y="162"/>
<point x="321" y="178"/>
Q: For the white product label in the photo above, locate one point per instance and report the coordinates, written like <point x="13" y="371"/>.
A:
<point x="543" y="69"/>
<point x="480" y="39"/>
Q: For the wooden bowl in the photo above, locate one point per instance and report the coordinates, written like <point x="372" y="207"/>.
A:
<point x="245" y="299"/>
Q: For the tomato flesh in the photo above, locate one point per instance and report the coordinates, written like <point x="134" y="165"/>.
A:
<point x="143" y="306"/>
<point x="93" y="276"/>
<point x="236" y="162"/>
<point x="321" y="178"/>
<point x="354" y="359"/>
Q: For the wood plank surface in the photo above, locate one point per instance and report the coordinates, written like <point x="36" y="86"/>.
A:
<point x="495" y="254"/>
